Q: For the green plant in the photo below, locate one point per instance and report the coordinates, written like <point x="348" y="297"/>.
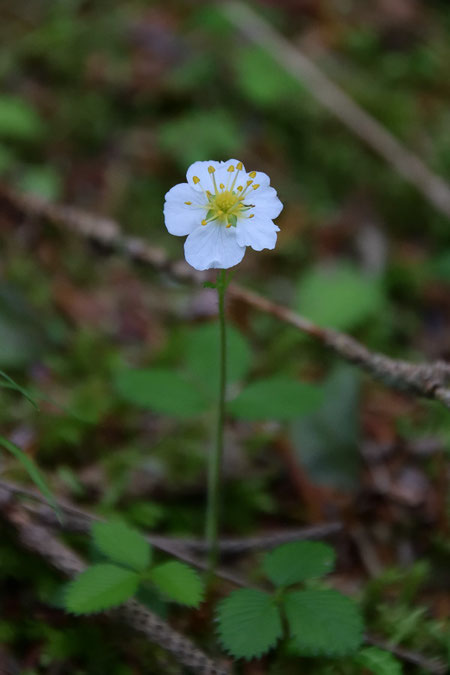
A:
<point x="129" y="568"/>
<point x="318" y="621"/>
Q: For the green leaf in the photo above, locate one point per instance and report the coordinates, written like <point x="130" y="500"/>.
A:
<point x="327" y="442"/>
<point x="122" y="544"/>
<point x="100" y="587"/>
<point x="249" y="623"/>
<point x="202" y="355"/>
<point x="261" y="79"/>
<point x="178" y="582"/>
<point x="340" y="297"/>
<point x="277" y="397"/>
<point x="163" y="391"/>
<point x="323" y="622"/>
<point x="378" y="662"/>
<point x="297" y="561"/>
<point x="34" y="473"/>
<point x="43" y="181"/>
<point x="201" y="134"/>
<point x="18" y="120"/>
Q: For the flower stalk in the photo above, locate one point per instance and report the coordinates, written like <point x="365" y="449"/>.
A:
<point x="215" y="458"/>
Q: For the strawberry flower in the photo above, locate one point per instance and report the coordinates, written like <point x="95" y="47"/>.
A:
<point x="223" y="209"/>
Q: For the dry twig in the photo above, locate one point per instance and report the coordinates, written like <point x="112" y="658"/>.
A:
<point x="41" y="540"/>
<point x="425" y="380"/>
<point x="338" y="103"/>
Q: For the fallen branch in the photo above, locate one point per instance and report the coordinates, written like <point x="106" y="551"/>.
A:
<point x="41" y="540"/>
<point x="424" y="380"/>
<point x="434" y="188"/>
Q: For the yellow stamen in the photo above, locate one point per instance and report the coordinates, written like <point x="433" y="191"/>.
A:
<point x="211" y="169"/>
<point x="239" y="166"/>
<point x="229" y="225"/>
<point x="249" y="182"/>
<point x="252" y="174"/>
<point x="240" y="188"/>
<point x="188" y="203"/>
<point x="204" y="222"/>
<point x="255" y="187"/>
<point x="222" y="186"/>
<point x="230" y="168"/>
<point x="252" y="215"/>
<point x="196" y="180"/>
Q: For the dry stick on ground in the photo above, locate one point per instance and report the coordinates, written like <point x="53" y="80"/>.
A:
<point x="132" y="611"/>
<point x="41" y="540"/>
<point x="425" y="380"/>
<point x="338" y="103"/>
<point x="79" y="520"/>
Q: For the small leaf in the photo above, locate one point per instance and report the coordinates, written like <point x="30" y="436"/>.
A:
<point x="34" y="473"/>
<point x="122" y="544"/>
<point x="249" y="623"/>
<point x="323" y="622"/>
<point x="100" y="587"/>
<point x="179" y="582"/>
<point x="161" y="390"/>
<point x="277" y="397"/>
<point x="340" y="297"/>
<point x="378" y="662"/>
<point x="18" y="120"/>
<point x="299" y="560"/>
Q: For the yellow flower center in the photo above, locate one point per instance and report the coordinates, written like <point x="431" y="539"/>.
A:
<point x="227" y="202"/>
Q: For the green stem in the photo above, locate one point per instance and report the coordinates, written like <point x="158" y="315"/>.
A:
<point x="215" y="460"/>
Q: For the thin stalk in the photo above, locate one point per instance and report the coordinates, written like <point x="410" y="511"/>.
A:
<point x="215" y="459"/>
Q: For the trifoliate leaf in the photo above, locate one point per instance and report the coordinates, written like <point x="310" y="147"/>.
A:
<point x="178" y="582"/>
<point x="299" y="560"/>
<point x="122" y="544"/>
<point x="378" y="662"/>
<point x="163" y="391"/>
<point x="323" y="622"/>
<point x="100" y="587"/>
<point x="249" y="623"/>
<point x="276" y="397"/>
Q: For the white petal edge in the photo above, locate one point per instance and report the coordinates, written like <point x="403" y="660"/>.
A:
<point x="181" y="218"/>
<point x="266" y="202"/>
<point x="213" y="247"/>
<point x="258" y="232"/>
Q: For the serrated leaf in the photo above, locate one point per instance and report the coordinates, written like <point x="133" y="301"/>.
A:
<point x="178" y="582"/>
<point x="323" y="622"/>
<point x="100" y="587"/>
<point x="299" y="560"/>
<point x="163" y="391"/>
<point x="122" y="544"/>
<point x="249" y="623"/>
<point x="276" y="397"/>
<point x="378" y="662"/>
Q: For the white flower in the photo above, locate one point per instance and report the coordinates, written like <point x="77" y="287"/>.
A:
<point x="222" y="209"/>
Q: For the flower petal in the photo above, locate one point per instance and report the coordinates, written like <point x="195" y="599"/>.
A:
<point x="200" y="170"/>
<point x="182" y="218"/>
<point x="213" y="246"/>
<point x="266" y="202"/>
<point x="258" y="232"/>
